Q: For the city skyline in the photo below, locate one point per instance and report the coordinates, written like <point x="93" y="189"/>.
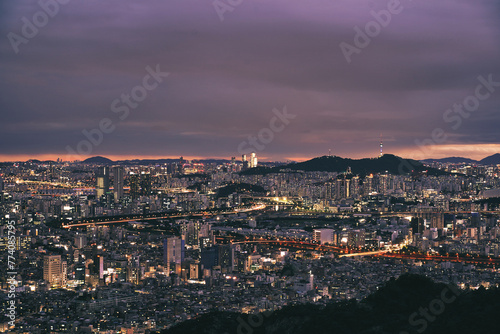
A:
<point x="376" y="154"/>
<point x="249" y="166"/>
<point x="214" y="77"/>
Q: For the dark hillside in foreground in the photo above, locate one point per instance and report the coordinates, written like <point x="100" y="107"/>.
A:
<point x="410" y="304"/>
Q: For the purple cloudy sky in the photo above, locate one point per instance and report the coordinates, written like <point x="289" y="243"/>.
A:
<point x="227" y="76"/>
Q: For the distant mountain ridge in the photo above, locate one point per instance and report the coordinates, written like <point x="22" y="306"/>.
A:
<point x="98" y="160"/>
<point x="106" y="161"/>
<point x="36" y="161"/>
<point x="491" y="160"/>
<point x="451" y="160"/>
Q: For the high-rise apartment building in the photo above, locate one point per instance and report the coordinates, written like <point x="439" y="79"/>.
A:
<point x="342" y="188"/>
<point x="146" y="184"/>
<point x="118" y="182"/>
<point x="134" y="186"/>
<point x="218" y="255"/>
<point x="253" y="160"/>
<point x="102" y="181"/>
<point x="244" y="161"/>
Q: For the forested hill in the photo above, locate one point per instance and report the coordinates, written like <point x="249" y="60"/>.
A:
<point x="410" y="304"/>
<point x="388" y="163"/>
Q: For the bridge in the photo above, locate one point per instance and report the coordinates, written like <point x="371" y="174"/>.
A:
<point x="153" y="216"/>
<point x="365" y="253"/>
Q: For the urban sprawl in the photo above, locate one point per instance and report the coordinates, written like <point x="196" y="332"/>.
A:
<point x="137" y="247"/>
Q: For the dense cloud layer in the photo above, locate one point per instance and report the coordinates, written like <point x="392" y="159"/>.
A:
<point x="227" y="76"/>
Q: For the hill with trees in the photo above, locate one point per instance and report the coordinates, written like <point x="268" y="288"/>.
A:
<point x="409" y="304"/>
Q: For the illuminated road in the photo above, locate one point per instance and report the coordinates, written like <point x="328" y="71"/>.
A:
<point x="440" y="258"/>
<point x="364" y="253"/>
<point x="377" y="254"/>
<point x="46" y="183"/>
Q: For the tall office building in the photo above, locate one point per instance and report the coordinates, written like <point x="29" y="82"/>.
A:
<point x="134" y="186"/>
<point x="102" y="181"/>
<point x="54" y="271"/>
<point x="100" y="266"/>
<point x="191" y="233"/>
<point x="64" y="273"/>
<point x="80" y="241"/>
<point x="226" y="257"/>
<point x="209" y="257"/>
<point x="218" y="255"/>
<point x="417" y="224"/>
<point x="253" y="160"/>
<point x="329" y="190"/>
<point x="1" y="183"/>
<point x="146" y="184"/>
<point x="173" y="251"/>
<point x="118" y="182"/>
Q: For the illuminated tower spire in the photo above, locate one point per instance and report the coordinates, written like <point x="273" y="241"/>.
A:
<point x="381" y="147"/>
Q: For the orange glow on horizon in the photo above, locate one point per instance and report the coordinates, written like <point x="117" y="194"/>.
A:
<point x="472" y="151"/>
<point x="54" y="157"/>
<point x="478" y="152"/>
